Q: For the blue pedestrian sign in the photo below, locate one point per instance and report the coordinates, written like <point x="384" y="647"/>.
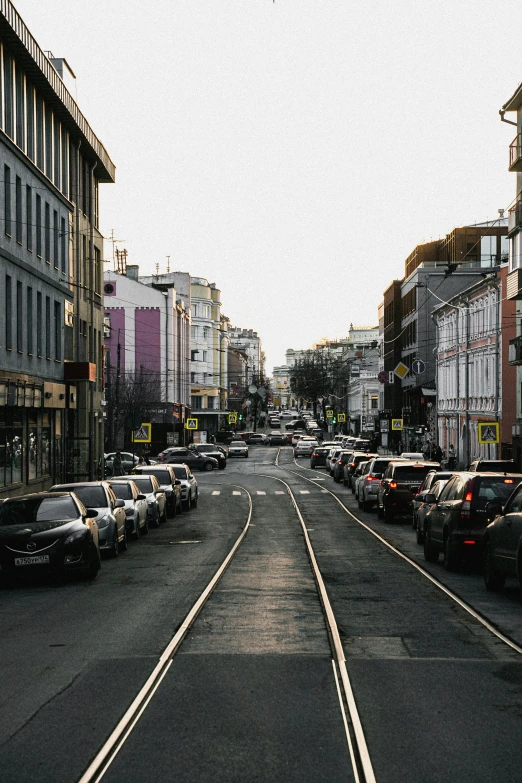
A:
<point x="418" y="366"/>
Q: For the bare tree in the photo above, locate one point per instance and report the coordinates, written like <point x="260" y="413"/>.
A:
<point x="131" y="399"/>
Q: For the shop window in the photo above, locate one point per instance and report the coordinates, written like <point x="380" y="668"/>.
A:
<point x="11" y="447"/>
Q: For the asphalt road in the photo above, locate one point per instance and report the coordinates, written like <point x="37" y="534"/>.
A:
<point x="251" y="695"/>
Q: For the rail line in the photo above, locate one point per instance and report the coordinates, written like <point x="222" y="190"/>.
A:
<point x="467" y="608"/>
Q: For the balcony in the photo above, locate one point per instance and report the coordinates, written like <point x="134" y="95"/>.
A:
<point x="515" y="351"/>
<point x="515" y="217"/>
<point x="515" y="154"/>
<point x="514" y="284"/>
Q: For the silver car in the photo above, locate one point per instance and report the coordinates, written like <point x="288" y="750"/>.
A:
<point x="129" y="461"/>
<point x="189" y="486"/>
<point x="238" y="448"/>
<point x="304" y="448"/>
<point x="110" y="517"/>
<point x="135" y="506"/>
<point x="155" y="496"/>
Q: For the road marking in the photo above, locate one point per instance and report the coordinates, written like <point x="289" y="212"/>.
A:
<point x="216" y="492"/>
<point x="260" y="492"/>
<point x="278" y="492"/>
<point x="325" y="491"/>
<point x="319" y="479"/>
<point x="236" y="493"/>
<point x="304" y="491"/>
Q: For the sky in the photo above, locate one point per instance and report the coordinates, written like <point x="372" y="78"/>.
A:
<point x="293" y="152"/>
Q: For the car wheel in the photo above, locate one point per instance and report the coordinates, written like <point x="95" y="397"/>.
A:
<point x="136" y="532"/>
<point x="163" y="517"/>
<point x="359" y="502"/>
<point x="145" y="528"/>
<point x="195" y="501"/>
<point x="208" y="466"/>
<point x="388" y="515"/>
<point x="451" y="559"/>
<point x="246" y="456"/>
<point x="414" y="521"/>
<point x="124" y="545"/>
<point x="420" y="533"/>
<point x="221" y="467"/>
<point x="380" y="511"/>
<point x="365" y="505"/>
<point x="187" y="503"/>
<point x="94" y="566"/>
<point x="492" y="579"/>
<point x="353" y="489"/>
<point x="431" y="553"/>
<point x="115" y="549"/>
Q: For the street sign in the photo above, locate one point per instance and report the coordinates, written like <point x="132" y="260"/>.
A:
<point x="383" y="377"/>
<point x="488" y="432"/>
<point x="401" y="371"/>
<point x="385" y="425"/>
<point x="329" y="413"/>
<point x="341" y="418"/>
<point x="191" y="424"/>
<point x="252" y="389"/>
<point x="232" y="418"/>
<point x="142" y="434"/>
<point x="418" y="366"/>
<point x="397" y="424"/>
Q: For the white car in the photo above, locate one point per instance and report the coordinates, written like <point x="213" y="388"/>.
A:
<point x="304" y="448"/>
<point x="415" y="455"/>
<point x="189" y="486"/>
<point x="136" y="509"/>
<point x="238" y="448"/>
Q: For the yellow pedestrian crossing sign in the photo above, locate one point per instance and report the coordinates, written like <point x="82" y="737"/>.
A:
<point x="232" y="418"/>
<point x="191" y="424"/>
<point x="488" y="432"/>
<point x="143" y="433"/>
<point x="397" y="424"/>
<point x="341" y="417"/>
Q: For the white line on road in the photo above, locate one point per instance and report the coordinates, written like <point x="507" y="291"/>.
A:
<point x="260" y="492"/>
<point x="216" y="492"/>
<point x="278" y="492"/>
<point x="304" y="491"/>
<point x="236" y="493"/>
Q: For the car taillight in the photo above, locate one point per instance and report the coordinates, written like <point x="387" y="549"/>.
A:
<point x="465" y="511"/>
<point x="352" y="464"/>
<point x="315" y="454"/>
<point x="371" y="478"/>
<point x="393" y="484"/>
<point x="509" y="481"/>
<point x="339" y="462"/>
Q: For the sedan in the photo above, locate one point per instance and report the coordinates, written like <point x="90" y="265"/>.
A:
<point x="168" y="483"/>
<point x="129" y="461"/>
<point x="213" y="451"/>
<point x="48" y="530"/>
<point x="503" y="542"/>
<point x="238" y="448"/>
<point x="136" y="518"/>
<point x="188" y="486"/>
<point x="156" y="499"/>
<point x="193" y="459"/>
<point x="276" y="439"/>
<point x="305" y="448"/>
<point x="318" y="456"/>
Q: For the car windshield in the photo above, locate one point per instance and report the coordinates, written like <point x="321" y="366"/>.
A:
<point x="237" y="443"/>
<point x="380" y="465"/>
<point x="180" y="471"/>
<point x="91" y="497"/>
<point x="162" y="475"/>
<point x="144" y="484"/>
<point x="122" y="491"/>
<point x="415" y="473"/>
<point x="30" y="510"/>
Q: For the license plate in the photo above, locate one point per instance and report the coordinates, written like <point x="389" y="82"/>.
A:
<point x="32" y="560"/>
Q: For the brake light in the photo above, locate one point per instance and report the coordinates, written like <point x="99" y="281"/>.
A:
<point x="371" y="478"/>
<point x="315" y="454"/>
<point x="339" y="462"/>
<point x="393" y="484"/>
<point x="465" y="511"/>
<point x="352" y="464"/>
<point x="468" y="498"/>
<point x="469" y="542"/>
<point x="508" y="481"/>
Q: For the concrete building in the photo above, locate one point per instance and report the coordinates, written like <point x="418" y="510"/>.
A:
<point x="51" y="250"/>
<point x="147" y="334"/>
<point x="249" y="342"/>
<point x="475" y="383"/>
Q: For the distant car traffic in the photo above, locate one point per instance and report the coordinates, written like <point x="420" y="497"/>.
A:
<point x="213" y="451"/>
<point x="238" y="448"/>
<point x="178" y="454"/>
<point x="128" y="461"/>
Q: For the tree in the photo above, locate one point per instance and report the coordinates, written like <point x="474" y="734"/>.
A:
<point x="316" y="375"/>
<point x="131" y="399"/>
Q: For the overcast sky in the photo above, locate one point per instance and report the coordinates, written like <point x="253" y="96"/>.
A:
<point x="292" y="152"/>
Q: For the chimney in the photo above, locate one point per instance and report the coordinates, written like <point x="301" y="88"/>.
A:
<point x="133" y="271"/>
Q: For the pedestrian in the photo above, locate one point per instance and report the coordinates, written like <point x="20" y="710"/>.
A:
<point x="438" y="454"/>
<point x="141" y="461"/>
<point x="452" y="457"/>
<point x="117" y="464"/>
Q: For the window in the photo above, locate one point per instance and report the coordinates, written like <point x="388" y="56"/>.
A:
<point x="488" y="251"/>
<point x="55" y="238"/>
<point x="97" y="270"/>
<point x="57" y="331"/>
<point x="194" y="311"/>
<point x="48" y="125"/>
<point x="47" y="327"/>
<point x="8" y="94"/>
<point x="205" y="356"/>
<point x="47" y="233"/>
<point x="7" y="200"/>
<point x="57" y="153"/>
<point x="65" y="177"/>
<point x="39" y="335"/>
<point x="20" y="107"/>
<point x="375" y="402"/>
<point x="193" y="377"/>
<point x="19" y="316"/>
<point x="8" y="314"/>
<point x="29" y="320"/>
<point x="196" y="403"/>
<point x="39" y="133"/>
<point x="29" y="216"/>
<point x="38" y="226"/>
<point x="30" y="121"/>
<point x="18" y="209"/>
<point x="63" y="246"/>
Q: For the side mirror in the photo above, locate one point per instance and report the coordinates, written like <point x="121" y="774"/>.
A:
<point x="159" y="492"/>
<point x="91" y="513"/>
<point x="430" y="498"/>
<point x="119" y="504"/>
<point x="141" y="497"/>
<point x="177" y="482"/>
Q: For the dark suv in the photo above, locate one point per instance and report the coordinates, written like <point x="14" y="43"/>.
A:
<point x="399" y="485"/>
<point x="493" y="466"/>
<point x="351" y="465"/>
<point x="458" y="519"/>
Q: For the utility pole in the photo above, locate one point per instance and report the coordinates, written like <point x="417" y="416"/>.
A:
<point x="117" y="389"/>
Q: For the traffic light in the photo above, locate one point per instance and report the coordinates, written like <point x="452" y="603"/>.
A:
<point x="240" y="417"/>
<point x="334" y="419"/>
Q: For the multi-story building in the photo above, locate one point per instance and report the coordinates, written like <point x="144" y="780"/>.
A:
<point x="282" y="393"/>
<point x="51" y="250"/>
<point x="147" y="344"/>
<point x="249" y="342"/>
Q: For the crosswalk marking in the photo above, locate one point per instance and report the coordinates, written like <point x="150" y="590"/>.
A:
<point x="216" y="492"/>
<point x="236" y="493"/>
<point x="279" y="492"/>
<point x="304" y="491"/>
<point x="260" y="492"/>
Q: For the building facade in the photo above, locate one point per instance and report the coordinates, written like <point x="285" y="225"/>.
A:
<point x="51" y="250"/>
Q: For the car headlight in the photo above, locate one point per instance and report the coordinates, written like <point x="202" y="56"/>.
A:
<point x="103" y="521"/>
<point x="77" y="536"/>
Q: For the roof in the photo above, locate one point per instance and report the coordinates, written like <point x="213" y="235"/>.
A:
<point x="515" y="102"/>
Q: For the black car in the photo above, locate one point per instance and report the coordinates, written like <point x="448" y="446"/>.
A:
<point x="399" y="485"/>
<point x="193" y="459"/>
<point x="457" y="522"/>
<point x="493" y="466"/>
<point x="168" y="483"/>
<point x="48" y="530"/>
<point x="503" y="542"/>
<point x="212" y="451"/>
<point x="318" y="456"/>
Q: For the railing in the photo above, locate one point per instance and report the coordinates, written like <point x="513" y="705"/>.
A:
<point x="515" y="153"/>
<point x="515" y="217"/>
<point x="515" y="350"/>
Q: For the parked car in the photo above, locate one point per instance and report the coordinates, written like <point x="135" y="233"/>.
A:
<point x="128" y="461"/>
<point x="318" y="456"/>
<point x="351" y="465"/>
<point x="338" y="465"/>
<point x="430" y="479"/>
<point x="503" y="542"/>
<point x="399" y="485"/>
<point x="110" y="513"/>
<point x="49" y="530"/>
<point x="188" y="486"/>
<point x="424" y="507"/>
<point x="287" y="414"/>
<point x="276" y="439"/>
<point x="493" y="466"/>
<point x="135" y="506"/>
<point x="168" y="483"/>
<point x="304" y="448"/>
<point x="195" y="460"/>
<point x="331" y="457"/>
<point x="213" y="451"/>
<point x="368" y="484"/>
<point x="155" y="497"/>
<point x="456" y="524"/>
<point x="238" y="448"/>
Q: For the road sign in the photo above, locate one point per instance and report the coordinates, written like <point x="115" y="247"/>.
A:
<point x="397" y="424"/>
<point x="142" y="434"/>
<point x="418" y="366"/>
<point x="329" y="413"/>
<point x="385" y="425"/>
<point x="232" y="418"/>
<point x="341" y="418"/>
<point x="401" y="371"/>
<point x="383" y="377"/>
<point x="191" y="424"/>
<point x="488" y="432"/>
